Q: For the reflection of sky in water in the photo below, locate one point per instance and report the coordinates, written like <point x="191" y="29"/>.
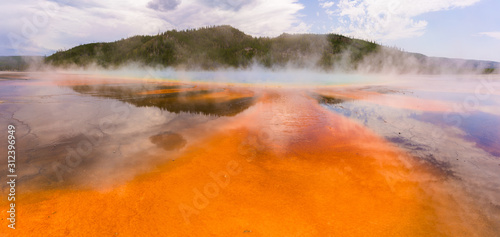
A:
<point x="481" y="128"/>
<point x="115" y="140"/>
<point x="452" y="96"/>
<point x="465" y="152"/>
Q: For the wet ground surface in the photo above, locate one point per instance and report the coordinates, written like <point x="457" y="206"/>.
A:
<point x="101" y="155"/>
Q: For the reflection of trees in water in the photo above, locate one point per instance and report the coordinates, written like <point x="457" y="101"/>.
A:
<point x="175" y="102"/>
<point x="327" y="99"/>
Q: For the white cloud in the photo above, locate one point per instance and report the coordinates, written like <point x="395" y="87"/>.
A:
<point x="494" y="34"/>
<point x="326" y="4"/>
<point x="387" y="19"/>
<point x="256" y="17"/>
<point x="85" y="21"/>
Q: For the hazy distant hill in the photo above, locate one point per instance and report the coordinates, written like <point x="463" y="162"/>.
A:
<point x="19" y="63"/>
<point x="224" y="46"/>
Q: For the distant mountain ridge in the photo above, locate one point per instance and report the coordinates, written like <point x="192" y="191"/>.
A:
<point x="217" y="47"/>
<point x="20" y="63"/>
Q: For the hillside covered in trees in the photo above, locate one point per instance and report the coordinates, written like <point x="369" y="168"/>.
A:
<point x="217" y="47"/>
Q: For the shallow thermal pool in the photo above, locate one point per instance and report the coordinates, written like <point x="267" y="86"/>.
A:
<point x="109" y="155"/>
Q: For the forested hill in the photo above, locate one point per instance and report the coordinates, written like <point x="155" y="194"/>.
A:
<point x="224" y="46"/>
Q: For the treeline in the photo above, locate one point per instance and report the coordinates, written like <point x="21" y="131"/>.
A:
<point x="218" y="47"/>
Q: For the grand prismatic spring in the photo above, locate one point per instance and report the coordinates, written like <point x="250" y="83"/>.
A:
<point x="104" y="155"/>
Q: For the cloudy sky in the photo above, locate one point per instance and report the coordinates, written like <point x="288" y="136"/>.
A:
<point x="448" y="28"/>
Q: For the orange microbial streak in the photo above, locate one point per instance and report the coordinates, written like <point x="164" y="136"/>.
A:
<point x="284" y="167"/>
<point x="225" y="95"/>
<point x="219" y="94"/>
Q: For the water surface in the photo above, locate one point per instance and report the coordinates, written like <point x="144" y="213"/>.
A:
<point x="110" y="155"/>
